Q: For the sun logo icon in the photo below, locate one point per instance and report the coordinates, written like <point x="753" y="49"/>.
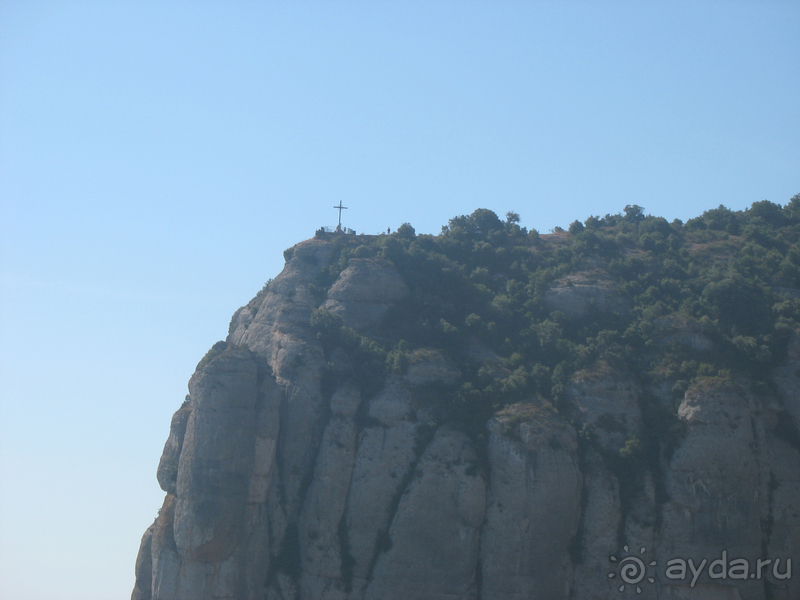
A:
<point x="631" y="570"/>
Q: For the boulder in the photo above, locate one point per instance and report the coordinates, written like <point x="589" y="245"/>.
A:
<point x="364" y="292"/>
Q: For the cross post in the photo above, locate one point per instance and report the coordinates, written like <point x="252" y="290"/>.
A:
<point x="341" y="208"/>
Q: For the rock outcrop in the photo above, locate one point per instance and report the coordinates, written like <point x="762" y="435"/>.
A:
<point x="364" y="292"/>
<point x="285" y="480"/>
<point x="534" y="507"/>
<point x="576" y="296"/>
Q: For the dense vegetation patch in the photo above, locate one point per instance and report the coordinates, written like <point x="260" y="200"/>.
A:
<point x="717" y="295"/>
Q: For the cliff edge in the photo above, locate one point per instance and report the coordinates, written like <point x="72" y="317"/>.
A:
<point x="324" y="455"/>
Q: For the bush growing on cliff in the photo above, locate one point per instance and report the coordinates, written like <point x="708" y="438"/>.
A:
<point x="367" y="356"/>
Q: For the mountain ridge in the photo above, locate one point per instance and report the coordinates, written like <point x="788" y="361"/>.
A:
<point x="491" y="413"/>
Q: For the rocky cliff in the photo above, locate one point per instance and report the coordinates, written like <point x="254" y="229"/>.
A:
<point x="288" y="477"/>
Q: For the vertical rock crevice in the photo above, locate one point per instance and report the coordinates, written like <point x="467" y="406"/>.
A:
<point x="534" y="504"/>
<point x="435" y="529"/>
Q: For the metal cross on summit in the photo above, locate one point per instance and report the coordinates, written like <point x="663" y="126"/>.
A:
<point x="340" y="207"/>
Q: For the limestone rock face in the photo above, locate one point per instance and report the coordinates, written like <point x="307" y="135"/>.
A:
<point x="435" y="532"/>
<point x="275" y="323"/>
<point x="673" y="329"/>
<point x="204" y="539"/>
<point x="217" y="457"/>
<point x="711" y="509"/>
<point x="324" y="506"/>
<point x="144" y="567"/>
<point x="364" y="292"/>
<point x="288" y="478"/>
<point x="534" y="505"/>
<point x="388" y="449"/>
<point x="787" y="380"/>
<point x="167" y="473"/>
<point x="784" y="514"/>
<point x="427" y="367"/>
<point x="601" y="517"/>
<point x="576" y="295"/>
<point x="608" y="405"/>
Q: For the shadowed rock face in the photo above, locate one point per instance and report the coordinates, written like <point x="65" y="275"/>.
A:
<point x="578" y="295"/>
<point x="282" y="486"/>
<point x="364" y="292"/>
<point x="216" y="459"/>
<point x="610" y="406"/>
<point x="534" y="505"/>
<point x="167" y="473"/>
<point x="435" y="532"/>
<point x="710" y="505"/>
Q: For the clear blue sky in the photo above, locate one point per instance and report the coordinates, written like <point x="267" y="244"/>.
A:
<point x="156" y="158"/>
